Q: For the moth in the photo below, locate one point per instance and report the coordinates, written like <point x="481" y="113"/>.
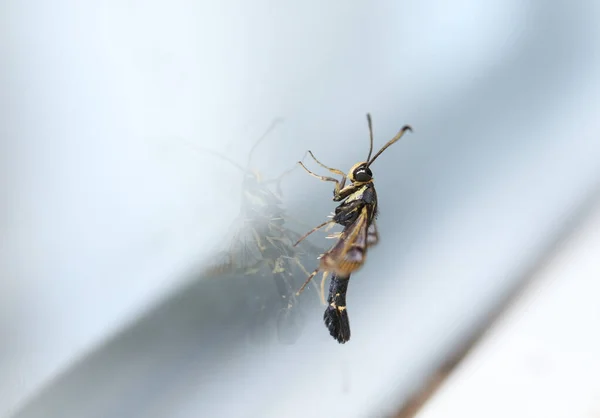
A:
<point x="356" y="213"/>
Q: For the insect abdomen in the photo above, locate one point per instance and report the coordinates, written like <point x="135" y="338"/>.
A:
<point x="336" y="315"/>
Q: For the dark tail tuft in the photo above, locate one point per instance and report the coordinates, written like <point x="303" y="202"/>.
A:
<point x="336" y="315"/>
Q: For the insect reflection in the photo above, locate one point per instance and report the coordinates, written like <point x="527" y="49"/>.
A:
<point x="261" y="246"/>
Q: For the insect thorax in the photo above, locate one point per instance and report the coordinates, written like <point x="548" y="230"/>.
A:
<point x="348" y="211"/>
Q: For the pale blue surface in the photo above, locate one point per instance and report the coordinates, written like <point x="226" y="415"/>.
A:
<point x="107" y="209"/>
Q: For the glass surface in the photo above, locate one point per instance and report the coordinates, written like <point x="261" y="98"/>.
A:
<point x="110" y="215"/>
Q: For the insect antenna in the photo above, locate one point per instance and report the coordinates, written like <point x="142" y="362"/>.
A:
<point x="370" y="122"/>
<point x="245" y="170"/>
<point x="198" y="148"/>
<point x="277" y="180"/>
<point x="390" y="142"/>
<point x="269" y="129"/>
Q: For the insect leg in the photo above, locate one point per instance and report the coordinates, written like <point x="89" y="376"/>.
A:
<point x="283" y="288"/>
<point x="316" y="228"/>
<point x="322" y="293"/>
<point x="259" y="244"/>
<point x="333" y="170"/>
<point x="290" y="319"/>
<point x="338" y="185"/>
<point x="313" y="274"/>
<point x="300" y="266"/>
<point x="277" y="180"/>
<point x="322" y="178"/>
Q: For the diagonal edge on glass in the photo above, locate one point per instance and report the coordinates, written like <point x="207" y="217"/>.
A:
<point x="414" y="402"/>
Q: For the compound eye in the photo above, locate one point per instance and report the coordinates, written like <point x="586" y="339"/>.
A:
<point x="363" y="174"/>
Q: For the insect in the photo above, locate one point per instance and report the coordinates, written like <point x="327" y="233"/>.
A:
<point x="262" y="246"/>
<point x="356" y="214"/>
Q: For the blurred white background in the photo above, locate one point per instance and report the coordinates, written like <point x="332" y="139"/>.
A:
<point x="105" y="207"/>
<point x="540" y="359"/>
